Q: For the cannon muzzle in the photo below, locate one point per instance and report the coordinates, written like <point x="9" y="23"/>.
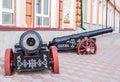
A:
<point x="30" y="41"/>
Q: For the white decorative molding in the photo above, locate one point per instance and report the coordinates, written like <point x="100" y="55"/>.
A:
<point x="20" y="13"/>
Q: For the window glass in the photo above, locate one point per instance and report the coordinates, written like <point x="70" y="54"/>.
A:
<point x="45" y="6"/>
<point x="38" y="20"/>
<point x="38" y="6"/>
<point x="45" y="21"/>
<point x="7" y="4"/>
<point x="42" y="13"/>
<point x="7" y="18"/>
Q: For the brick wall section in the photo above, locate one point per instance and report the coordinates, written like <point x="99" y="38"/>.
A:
<point x="29" y="14"/>
<point x="60" y="13"/>
<point x="77" y="13"/>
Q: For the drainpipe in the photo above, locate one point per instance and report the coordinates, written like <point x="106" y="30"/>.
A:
<point x="119" y="23"/>
<point x="81" y="12"/>
<point x="114" y="14"/>
<point x="107" y="13"/>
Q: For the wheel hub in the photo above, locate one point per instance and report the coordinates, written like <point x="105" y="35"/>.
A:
<point x="88" y="49"/>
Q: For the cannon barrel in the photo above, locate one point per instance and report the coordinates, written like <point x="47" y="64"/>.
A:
<point x="84" y="34"/>
<point x="30" y="41"/>
<point x="98" y="32"/>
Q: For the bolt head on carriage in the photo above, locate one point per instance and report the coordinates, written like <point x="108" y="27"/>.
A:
<point x="31" y="54"/>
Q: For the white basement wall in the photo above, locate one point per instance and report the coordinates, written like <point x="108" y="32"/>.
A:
<point x="9" y="38"/>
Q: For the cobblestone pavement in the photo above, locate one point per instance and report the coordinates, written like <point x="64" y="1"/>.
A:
<point x="102" y="67"/>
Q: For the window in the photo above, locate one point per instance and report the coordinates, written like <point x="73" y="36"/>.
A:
<point x="7" y="4"/>
<point x="42" y="13"/>
<point x="7" y="18"/>
<point x="7" y="12"/>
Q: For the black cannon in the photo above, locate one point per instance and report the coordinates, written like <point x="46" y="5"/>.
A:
<point x="82" y="42"/>
<point x="31" y="54"/>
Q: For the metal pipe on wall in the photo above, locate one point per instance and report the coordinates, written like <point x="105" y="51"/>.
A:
<point x="119" y="23"/>
<point x="114" y="14"/>
<point x="81" y="12"/>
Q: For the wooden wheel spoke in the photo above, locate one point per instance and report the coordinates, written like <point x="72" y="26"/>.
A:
<point x="86" y="42"/>
<point x="85" y="52"/>
<point x="90" y="44"/>
<point x="91" y="52"/>
<point x="83" y="46"/>
<point x="82" y="50"/>
<point x="92" y="47"/>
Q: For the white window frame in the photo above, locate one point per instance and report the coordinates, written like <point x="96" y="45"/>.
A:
<point x="42" y="14"/>
<point x="0" y="11"/>
<point x="7" y="11"/>
<point x="94" y="12"/>
<point x="85" y="10"/>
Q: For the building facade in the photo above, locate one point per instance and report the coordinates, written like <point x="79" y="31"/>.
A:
<point x="95" y="13"/>
<point x="54" y="18"/>
<point x="38" y="13"/>
<point x="60" y="14"/>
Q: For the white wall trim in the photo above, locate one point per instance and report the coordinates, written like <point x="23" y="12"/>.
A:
<point x="73" y="18"/>
<point x="54" y="15"/>
<point x="0" y="12"/>
<point x="21" y="13"/>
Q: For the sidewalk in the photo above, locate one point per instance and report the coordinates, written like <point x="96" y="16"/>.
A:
<point x="102" y="67"/>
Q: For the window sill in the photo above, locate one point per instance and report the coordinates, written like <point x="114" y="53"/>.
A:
<point x="14" y="28"/>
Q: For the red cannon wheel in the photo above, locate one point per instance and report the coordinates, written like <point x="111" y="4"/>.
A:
<point x="87" y="46"/>
<point x="54" y="58"/>
<point x="8" y="59"/>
